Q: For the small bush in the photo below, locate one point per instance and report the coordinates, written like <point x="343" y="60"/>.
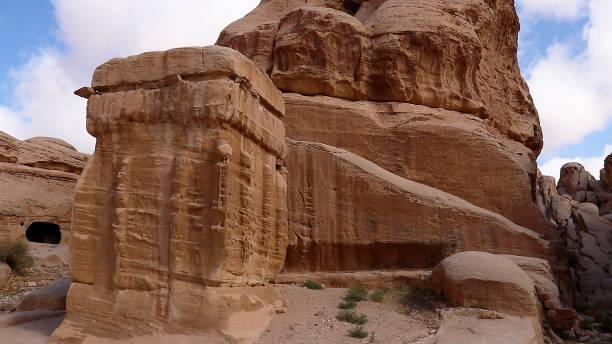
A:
<point x="347" y="304"/>
<point x="352" y="317"/>
<point x="356" y="293"/>
<point x="572" y="259"/>
<point x="16" y="255"/>
<point x="357" y="332"/>
<point x="312" y="285"/>
<point x="372" y="340"/>
<point x="379" y="294"/>
<point x="476" y="304"/>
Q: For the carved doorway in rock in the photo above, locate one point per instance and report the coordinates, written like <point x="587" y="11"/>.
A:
<point x="44" y="232"/>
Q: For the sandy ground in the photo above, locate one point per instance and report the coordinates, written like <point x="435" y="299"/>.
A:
<point x="311" y="318"/>
<point x="33" y="332"/>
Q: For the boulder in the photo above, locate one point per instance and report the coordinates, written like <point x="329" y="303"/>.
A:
<point x="491" y="281"/>
<point x="51" y="298"/>
<point x="182" y="207"/>
<point x="573" y="179"/>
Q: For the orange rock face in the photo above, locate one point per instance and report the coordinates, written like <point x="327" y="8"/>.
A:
<point x="458" y="55"/>
<point x="37" y="181"/>
<point x="456" y="59"/>
<point x="184" y="194"/>
<point x="346" y="214"/>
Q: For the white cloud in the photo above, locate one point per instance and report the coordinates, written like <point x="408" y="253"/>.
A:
<point x="560" y="9"/>
<point x="553" y="166"/>
<point x="572" y="93"/>
<point x="92" y="32"/>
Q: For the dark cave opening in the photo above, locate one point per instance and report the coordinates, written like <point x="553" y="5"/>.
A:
<point x="44" y="232"/>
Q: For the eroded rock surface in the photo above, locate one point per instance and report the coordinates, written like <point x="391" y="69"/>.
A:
<point x="182" y="206"/>
<point x="346" y="214"/>
<point x="37" y="181"/>
<point x="420" y="88"/>
<point x="580" y="208"/>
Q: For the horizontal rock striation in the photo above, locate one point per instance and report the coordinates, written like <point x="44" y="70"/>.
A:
<point x="182" y="206"/>
<point x="37" y="181"/>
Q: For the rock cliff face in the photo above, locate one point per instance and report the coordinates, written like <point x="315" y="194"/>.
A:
<point x="37" y="181"/>
<point x="183" y="203"/>
<point x="346" y="214"/>
<point x="581" y="208"/>
<point x="427" y="90"/>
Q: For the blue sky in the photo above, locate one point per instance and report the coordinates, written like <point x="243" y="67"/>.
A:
<point x="50" y="48"/>
<point x="25" y="26"/>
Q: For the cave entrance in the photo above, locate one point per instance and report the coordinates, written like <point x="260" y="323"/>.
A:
<point x="44" y="232"/>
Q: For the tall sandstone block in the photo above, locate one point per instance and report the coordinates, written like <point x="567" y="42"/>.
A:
<point x="183" y="204"/>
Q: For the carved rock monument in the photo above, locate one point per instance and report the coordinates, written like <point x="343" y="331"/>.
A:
<point x="182" y="206"/>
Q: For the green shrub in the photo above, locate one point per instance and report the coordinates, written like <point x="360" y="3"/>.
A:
<point x="357" y="332"/>
<point x="352" y="317"/>
<point x="356" y="293"/>
<point x="16" y="255"/>
<point x="347" y="304"/>
<point x="372" y="340"/>
<point x="312" y="285"/>
<point x="378" y="294"/>
<point x="477" y="304"/>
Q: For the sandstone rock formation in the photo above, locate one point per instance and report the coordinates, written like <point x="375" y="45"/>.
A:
<point x="579" y="206"/>
<point x="182" y="206"/>
<point x="37" y="180"/>
<point x="437" y="84"/>
<point x="346" y="214"/>
<point x="489" y="280"/>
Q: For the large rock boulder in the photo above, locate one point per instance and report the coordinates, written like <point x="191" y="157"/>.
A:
<point x="37" y="181"/>
<point x="346" y="214"/>
<point x="486" y="280"/>
<point x="182" y="207"/>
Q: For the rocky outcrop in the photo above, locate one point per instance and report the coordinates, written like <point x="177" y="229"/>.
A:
<point x="346" y="214"/>
<point x="420" y="88"/>
<point x="579" y="206"/>
<point x="423" y="144"/>
<point x="37" y="181"/>
<point x="182" y="207"/>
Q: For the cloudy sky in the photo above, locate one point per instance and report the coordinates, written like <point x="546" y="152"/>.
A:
<point x="50" y="48"/>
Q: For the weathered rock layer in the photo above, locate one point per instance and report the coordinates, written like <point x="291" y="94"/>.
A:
<point x="184" y="198"/>
<point x="37" y="181"/>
